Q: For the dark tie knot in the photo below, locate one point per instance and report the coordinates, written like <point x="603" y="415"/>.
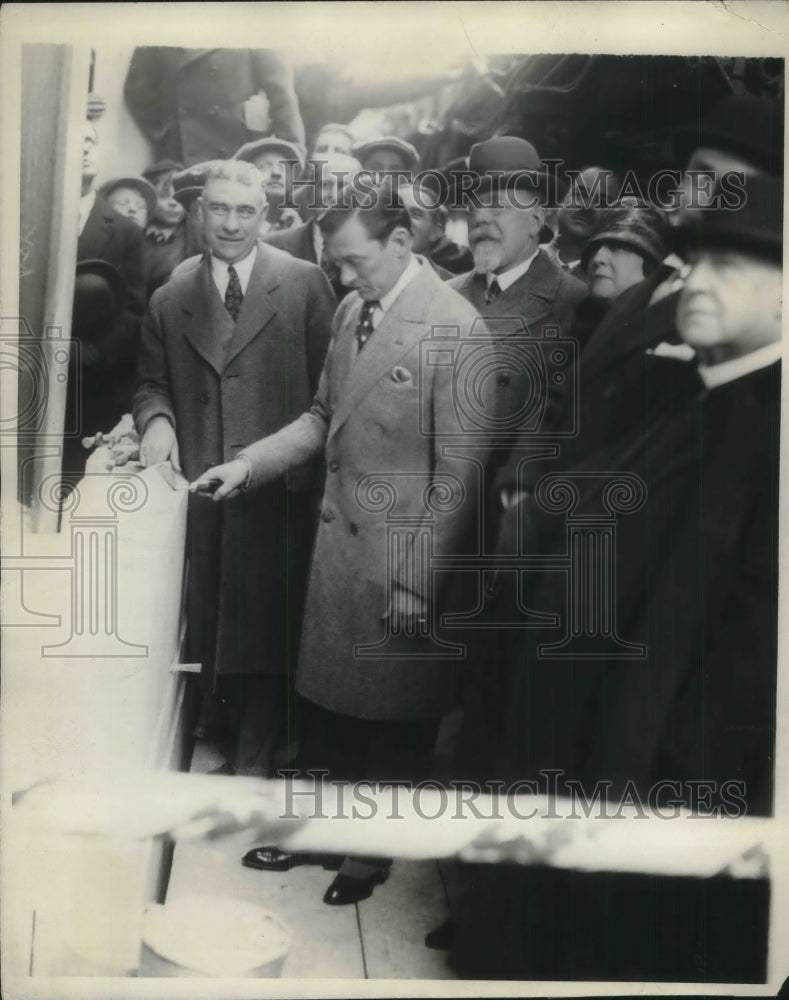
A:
<point x="494" y="290"/>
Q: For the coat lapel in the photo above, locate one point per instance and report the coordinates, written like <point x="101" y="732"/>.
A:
<point x="207" y="324"/>
<point x="537" y="290"/>
<point x="258" y="306"/>
<point x="398" y="332"/>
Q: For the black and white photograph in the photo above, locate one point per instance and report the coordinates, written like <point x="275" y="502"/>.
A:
<point x="392" y="500"/>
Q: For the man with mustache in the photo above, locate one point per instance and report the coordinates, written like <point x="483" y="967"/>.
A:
<point x="514" y="283"/>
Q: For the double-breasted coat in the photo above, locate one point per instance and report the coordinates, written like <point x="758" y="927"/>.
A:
<point x="403" y="471"/>
<point x="189" y="103"/>
<point x="224" y="385"/>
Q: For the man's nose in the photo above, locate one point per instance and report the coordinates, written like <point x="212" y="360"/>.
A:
<point x="231" y="220"/>
<point x="601" y="256"/>
<point x="347" y="275"/>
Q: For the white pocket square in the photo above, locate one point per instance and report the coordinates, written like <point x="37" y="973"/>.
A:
<point x="401" y="375"/>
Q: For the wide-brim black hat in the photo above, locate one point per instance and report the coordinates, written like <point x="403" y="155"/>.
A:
<point x="637" y="227"/>
<point x="139" y="184"/>
<point x="753" y="227"/>
<point x="751" y="128"/>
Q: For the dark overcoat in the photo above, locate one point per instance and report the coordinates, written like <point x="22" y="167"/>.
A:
<point x="248" y="558"/>
<point x="697" y="584"/>
<point x="543" y="299"/>
<point x="394" y="440"/>
<point x="189" y="102"/>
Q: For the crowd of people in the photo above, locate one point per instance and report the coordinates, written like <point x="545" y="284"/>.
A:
<point x="309" y="362"/>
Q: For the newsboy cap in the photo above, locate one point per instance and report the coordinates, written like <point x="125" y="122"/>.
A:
<point x="410" y="156"/>
<point x="188" y="184"/>
<point x="250" y="151"/>
<point x="138" y="184"/>
<point x="639" y="227"/>
<point x="161" y="167"/>
<point x="754" y="228"/>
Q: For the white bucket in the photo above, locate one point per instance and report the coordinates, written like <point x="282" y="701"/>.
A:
<point x="205" y="936"/>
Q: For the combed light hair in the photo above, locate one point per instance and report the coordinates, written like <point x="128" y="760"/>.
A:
<point x="236" y="170"/>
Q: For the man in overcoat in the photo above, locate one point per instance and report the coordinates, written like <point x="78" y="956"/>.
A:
<point x="190" y="103"/>
<point x="402" y="487"/>
<point x="232" y="349"/>
<point x="689" y="720"/>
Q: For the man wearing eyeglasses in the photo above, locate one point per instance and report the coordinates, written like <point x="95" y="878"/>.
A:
<point x="231" y="351"/>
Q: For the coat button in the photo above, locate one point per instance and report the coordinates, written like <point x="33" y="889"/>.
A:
<point x="204" y="397"/>
<point x="334" y="466"/>
<point x="327" y="516"/>
<point x="353" y="527"/>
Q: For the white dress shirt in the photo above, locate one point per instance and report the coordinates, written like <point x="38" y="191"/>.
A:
<point x="728" y="371"/>
<point x="86" y="203"/>
<point x="511" y="275"/>
<point x="386" y="302"/>
<point x="243" y="270"/>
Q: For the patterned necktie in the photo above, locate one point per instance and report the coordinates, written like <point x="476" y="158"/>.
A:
<point x="493" y="292"/>
<point x="365" y="326"/>
<point x="233" y="296"/>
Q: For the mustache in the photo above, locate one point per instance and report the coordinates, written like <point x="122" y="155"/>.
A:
<point x="478" y="235"/>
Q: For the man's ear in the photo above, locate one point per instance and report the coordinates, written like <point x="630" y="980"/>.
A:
<point x="539" y="216"/>
<point x="199" y="210"/>
<point x="402" y="240"/>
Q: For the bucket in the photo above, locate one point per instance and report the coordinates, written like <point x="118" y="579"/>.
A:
<point x="201" y="936"/>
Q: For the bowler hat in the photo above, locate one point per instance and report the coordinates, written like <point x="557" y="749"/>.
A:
<point x="754" y="228"/>
<point x="139" y="184"/>
<point x="250" y="151"/>
<point x="188" y="184"/>
<point x="99" y="295"/>
<point x="638" y="227"/>
<point x="745" y="126"/>
<point x="411" y="157"/>
<point x="161" y="167"/>
<point x="507" y="162"/>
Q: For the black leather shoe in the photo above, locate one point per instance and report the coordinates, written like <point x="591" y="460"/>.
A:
<point x="345" y="890"/>
<point x="441" y="938"/>
<point x="272" y="859"/>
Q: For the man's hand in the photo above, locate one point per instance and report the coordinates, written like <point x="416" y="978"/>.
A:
<point x="232" y="476"/>
<point x="159" y="444"/>
<point x="407" y="610"/>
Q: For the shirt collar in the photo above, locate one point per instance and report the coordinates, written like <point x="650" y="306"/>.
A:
<point x="243" y="267"/>
<point x="509" y="277"/>
<point x="86" y="204"/>
<point x="728" y="371"/>
<point x="408" y="275"/>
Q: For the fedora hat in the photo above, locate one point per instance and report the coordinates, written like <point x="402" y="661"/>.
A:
<point x="410" y="156"/>
<point x="754" y="228"/>
<point x="99" y="296"/>
<point x="138" y="184"/>
<point x="638" y="227"/>
<point x="250" y="151"/>
<point x="749" y="127"/>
